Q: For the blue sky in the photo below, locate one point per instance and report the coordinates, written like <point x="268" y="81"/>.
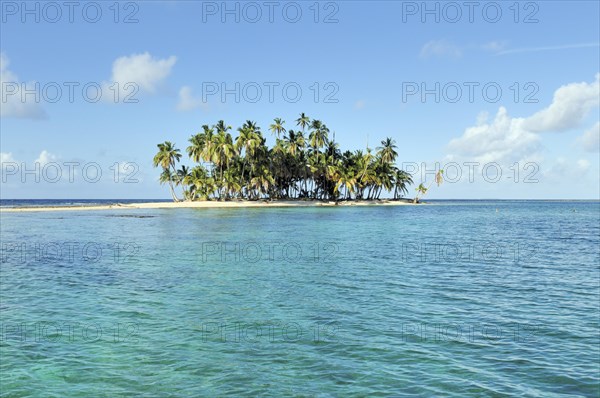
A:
<point x="367" y="60"/>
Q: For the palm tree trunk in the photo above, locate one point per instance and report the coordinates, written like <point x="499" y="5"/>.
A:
<point x="175" y="199"/>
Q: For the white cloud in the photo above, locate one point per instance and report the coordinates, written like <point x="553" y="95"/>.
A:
<point x="495" y="46"/>
<point x="187" y="101"/>
<point x="45" y="158"/>
<point x="13" y="103"/>
<point x="562" y="169"/>
<point x="549" y="48"/>
<point x="570" y="105"/>
<point x="590" y="140"/>
<point x="502" y="140"/>
<point x="7" y="163"/>
<point x="583" y="164"/>
<point x="359" y="105"/>
<point x="6" y="157"/>
<point x="506" y="139"/>
<point x="440" y="48"/>
<point x="147" y="72"/>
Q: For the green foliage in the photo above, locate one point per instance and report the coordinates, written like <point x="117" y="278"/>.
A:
<point x="302" y="164"/>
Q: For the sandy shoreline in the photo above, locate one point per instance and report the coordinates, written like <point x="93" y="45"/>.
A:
<point x="208" y="205"/>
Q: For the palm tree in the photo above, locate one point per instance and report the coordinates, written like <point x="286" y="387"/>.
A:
<point x="209" y="146"/>
<point x="224" y="151"/>
<point x="303" y="121"/>
<point x="439" y="178"/>
<point x="295" y="141"/>
<point x="167" y="177"/>
<point x="201" y="145"/>
<point x="401" y="180"/>
<point x="222" y="127"/>
<point x="420" y="190"/>
<point x="221" y="139"/>
<point x="200" y="183"/>
<point x="166" y="158"/>
<point x="366" y="174"/>
<point x="182" y="177"/>
<point x="387" y="151"/>
<point x="385" y="178"/>
<point x="262" y="181"/>
<point x="301" y="161"/>
<point x="246" y="144"/>
<point x="196" y="148"/>
<point x="346" y="179"/>
<point x="231" y="183"/>
<point x="319" y="136"/>
<point x="277" y="127"/>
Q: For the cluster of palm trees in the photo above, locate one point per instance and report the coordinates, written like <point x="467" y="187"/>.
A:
<point x="304" y="163"/>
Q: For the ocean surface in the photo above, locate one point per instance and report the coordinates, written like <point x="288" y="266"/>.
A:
<point x="9" y="203"/>
<point x="454" y="299"/>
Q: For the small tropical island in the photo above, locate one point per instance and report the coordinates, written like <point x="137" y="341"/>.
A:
<point x="304" y="165"/>
<point x="305" y="168"/>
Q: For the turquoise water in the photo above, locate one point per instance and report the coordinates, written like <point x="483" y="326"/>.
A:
<point x="458" y="299"/>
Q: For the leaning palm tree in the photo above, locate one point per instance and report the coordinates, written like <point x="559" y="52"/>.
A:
<point x="421" y="190"/>
<point x="166" y="158"/>
<point x="439" y="178"/>
<point x="166" y="177"/>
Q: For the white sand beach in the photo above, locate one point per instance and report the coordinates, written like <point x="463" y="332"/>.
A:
<point x="210" y="205"/>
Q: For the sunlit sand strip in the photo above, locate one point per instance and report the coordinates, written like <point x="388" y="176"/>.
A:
<point x="209" y="205"/>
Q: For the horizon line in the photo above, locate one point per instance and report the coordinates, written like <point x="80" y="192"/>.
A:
<point x="405" y="198"/>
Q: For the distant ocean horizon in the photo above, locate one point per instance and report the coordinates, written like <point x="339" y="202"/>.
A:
<point x="73" y="202"/>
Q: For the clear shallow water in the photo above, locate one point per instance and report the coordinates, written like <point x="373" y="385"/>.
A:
<point x="455" y="299"/>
